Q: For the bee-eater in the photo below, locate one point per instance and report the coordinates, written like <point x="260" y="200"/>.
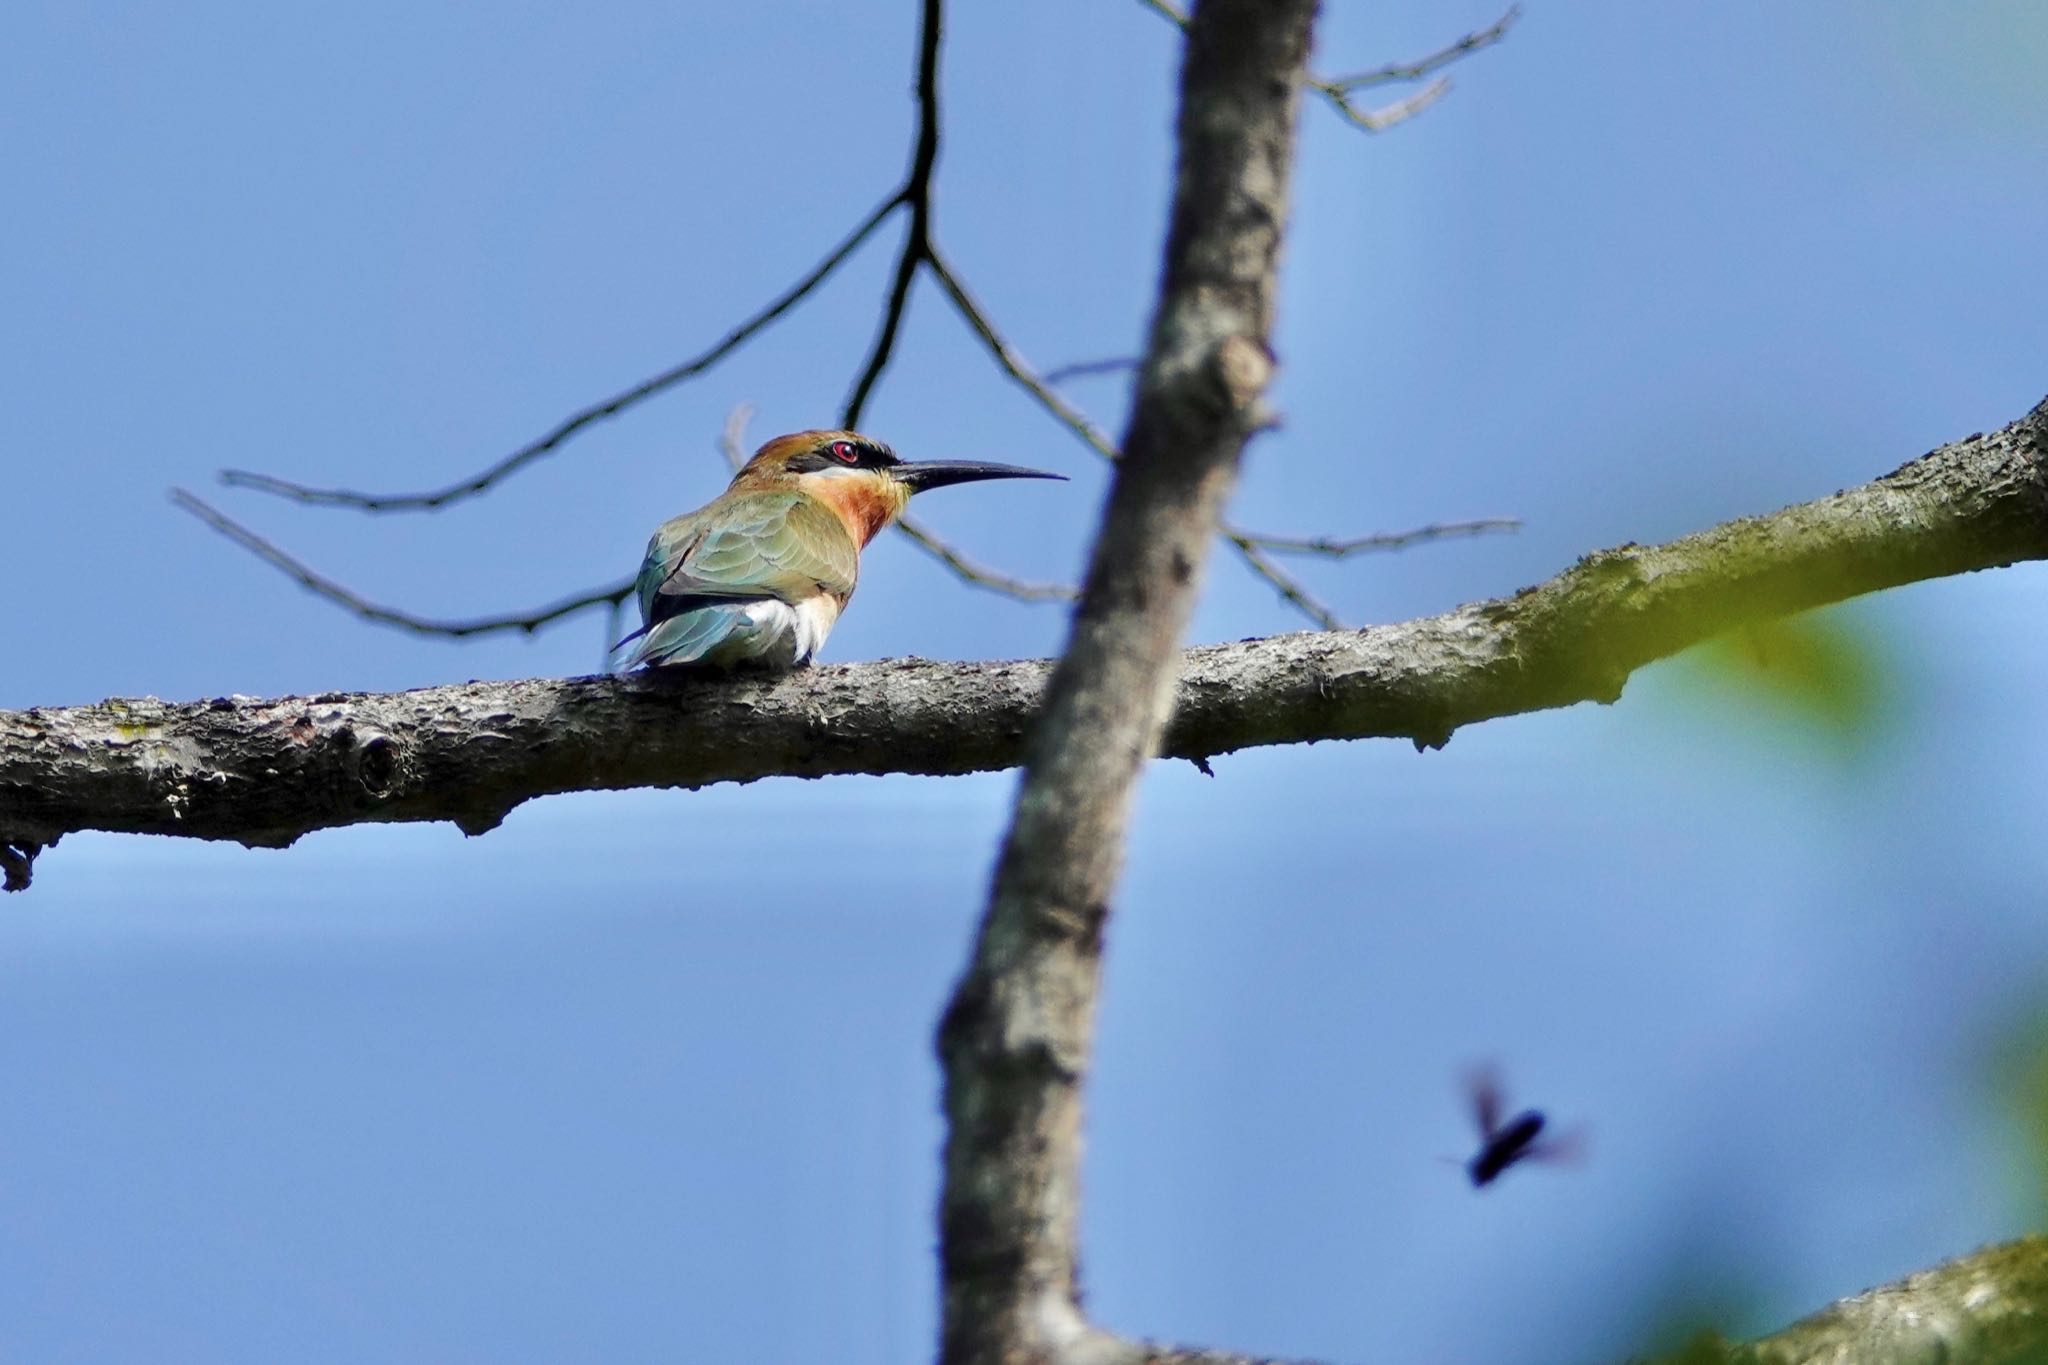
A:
<point x="758" y="575"/>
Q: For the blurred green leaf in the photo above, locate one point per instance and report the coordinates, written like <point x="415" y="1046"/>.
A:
<point x="1705" y="1347"/>
<point x="1704" y="1305"/>
<point x="1977" y="65"/>
<point x="1816" y="672"/>
<point x="2019" y="1080"/>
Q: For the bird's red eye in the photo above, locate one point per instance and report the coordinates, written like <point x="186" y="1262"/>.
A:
<point x="844" y="452"/>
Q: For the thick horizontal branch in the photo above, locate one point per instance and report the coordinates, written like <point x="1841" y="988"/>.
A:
<point x="263" y="772"/>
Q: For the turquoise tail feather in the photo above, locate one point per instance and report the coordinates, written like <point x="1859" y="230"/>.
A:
<point x="682" y="639"/>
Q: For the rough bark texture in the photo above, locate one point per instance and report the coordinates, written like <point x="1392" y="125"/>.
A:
<point x="263" y="772"/>
<point x="1015" y="1039"/>
<point x="1985" y="1308"/>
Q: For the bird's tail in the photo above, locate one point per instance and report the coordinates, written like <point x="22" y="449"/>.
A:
<point x="683" y="639"/>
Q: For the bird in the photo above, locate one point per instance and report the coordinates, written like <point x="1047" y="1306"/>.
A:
<point x="758" y="576"/>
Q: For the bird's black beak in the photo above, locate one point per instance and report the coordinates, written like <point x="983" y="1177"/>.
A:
<point x="923" y="474"/>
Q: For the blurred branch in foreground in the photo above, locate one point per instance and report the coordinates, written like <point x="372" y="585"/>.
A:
<point x="1015" y="1040"/>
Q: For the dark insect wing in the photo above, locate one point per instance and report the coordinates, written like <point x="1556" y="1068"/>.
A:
<point x="1489" y="1101"/>
<point x="1560" y="1149"/>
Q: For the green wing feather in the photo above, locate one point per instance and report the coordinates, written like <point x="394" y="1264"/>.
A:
<point x="781" y="544"/>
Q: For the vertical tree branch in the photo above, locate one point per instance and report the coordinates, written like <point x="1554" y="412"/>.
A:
<point x="1015" y="1039"/>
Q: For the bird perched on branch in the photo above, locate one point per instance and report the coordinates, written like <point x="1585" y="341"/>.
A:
<point x="759" y="575"/>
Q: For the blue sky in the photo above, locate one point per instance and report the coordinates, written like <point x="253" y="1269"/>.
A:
<point x="647" y="1076"/>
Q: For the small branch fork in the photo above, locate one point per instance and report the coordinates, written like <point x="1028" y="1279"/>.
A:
<point x="1337" y="91"/>
<point x="919" y="253"/>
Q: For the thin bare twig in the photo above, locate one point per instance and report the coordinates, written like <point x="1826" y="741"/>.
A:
<point x="1290" y="588"/>
<point x="915" y="246"/>
<point x="1387" y="115"/>
<point x="1336" y="92"/>
<point x="318" y="583"/>
<point x="917" y="193"/>
<point x="1014" y="365"/>
<point x="1435" y="61"/>
<point x="1023" y="589"/>
<point x="1082" y="369"/>
<point x="1332" y="548"/>
<point x="610" y="407"/>
<point x="1254" y="547"/>
<point x="614" y="628"/>
<point x="732" y="437"/>
<point x="1168" y="12"/>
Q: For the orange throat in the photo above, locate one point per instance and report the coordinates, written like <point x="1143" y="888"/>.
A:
<point x="866" y="502"/>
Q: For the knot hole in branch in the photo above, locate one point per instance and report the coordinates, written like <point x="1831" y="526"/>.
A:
<point x="1242" y="368"/>
<point x="1079" y="926"/>
<point x="373" y="760"/>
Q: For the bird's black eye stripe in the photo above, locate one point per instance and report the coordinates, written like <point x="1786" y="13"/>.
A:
<point x="843" y="454"/>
